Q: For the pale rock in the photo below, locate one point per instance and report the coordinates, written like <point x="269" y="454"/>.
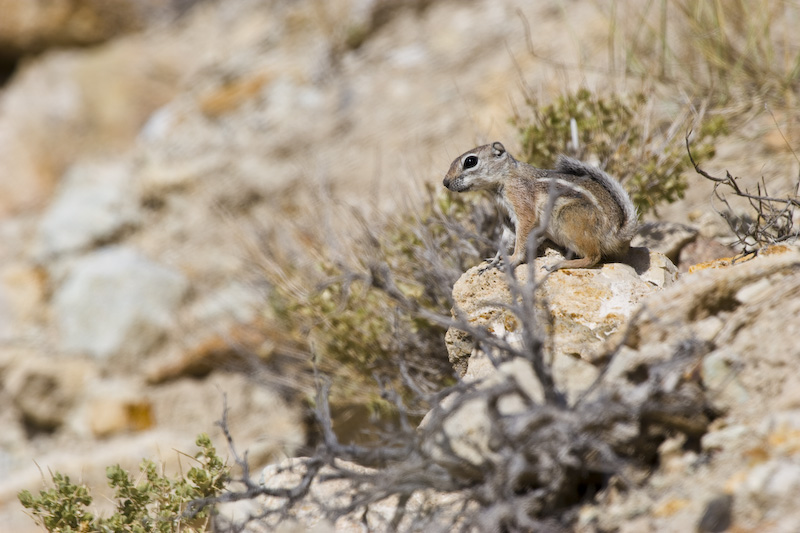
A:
<point x="583" y="310"/>
<point x="466" y="428"/>
<point x="426" y="509"/>
<point x="22" y="291"/>
<point x="741" y="332"/>
<point x="482" y="369"/>
<point x="6" y="316"/>
<point x="637" y="524"/>
<point x="171" y="159"/>
<point x="701" y="250"/>
<point x="109" y="416"/>
<point x="95" y="202"/>
<point x="708" y="328"/>
<point x="14" y="444"/>
<point x="673" y="458"/>
<point x="782" y="430"/>
<point x="183" y="145"/>
<point x="116" y="406"/>
<point x="66" y="107"/>
<point x="573" y="376"/>
<point x="773" y="484"/>
<point x="788" y="420"/>
<point x="712" y="293"/>
<point x="710" y="225"/>
<point x="654" y="268"/>
<point x="720" y="371"/>
<point x="570" y="374"/>
<point x="753" y="292"/>
<point x="46" y="391"/>
<point x="629" y="366"/>
<point x="726" y="437"/>
<point x="116" y="302"/>
<point x="462" y="444"/>
<point x="586" y="310"/>
<point x="280" y="430"/>
<point x="235" y="301"/>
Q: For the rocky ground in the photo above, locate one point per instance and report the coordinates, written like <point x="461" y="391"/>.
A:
<point x="721" y="320"/>
<point x="147" y="147"/>
<point x="713" y="446"/>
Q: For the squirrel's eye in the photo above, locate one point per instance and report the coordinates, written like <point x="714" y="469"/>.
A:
<point x="470" y="162"/>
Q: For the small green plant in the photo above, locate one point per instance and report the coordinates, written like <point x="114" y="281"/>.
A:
<point x="154" y="504"/>
<point x="614" y="131"/>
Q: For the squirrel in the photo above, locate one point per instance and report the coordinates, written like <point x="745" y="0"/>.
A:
<point x="582" y="208"/>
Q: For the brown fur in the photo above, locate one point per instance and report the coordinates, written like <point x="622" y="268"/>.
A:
<point x="584" y="209"/>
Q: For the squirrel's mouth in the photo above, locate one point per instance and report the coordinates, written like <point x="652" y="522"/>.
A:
<point x="456" y="185"/>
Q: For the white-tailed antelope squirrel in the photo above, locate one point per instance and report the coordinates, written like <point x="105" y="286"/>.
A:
<point x="589" y="214"/>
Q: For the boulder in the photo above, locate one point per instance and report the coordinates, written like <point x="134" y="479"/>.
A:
<point x="116" y="302"/>
<point x="582" y="312"/>
<point x="95" y="203"/>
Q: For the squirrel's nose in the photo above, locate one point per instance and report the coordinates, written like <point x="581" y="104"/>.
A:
<point x="446" y="183"/>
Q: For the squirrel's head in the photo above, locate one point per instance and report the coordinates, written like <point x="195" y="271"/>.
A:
<point x="483" y="167"/>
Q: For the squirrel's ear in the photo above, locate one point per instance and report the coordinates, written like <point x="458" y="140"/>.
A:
<point x="498" y="149"/>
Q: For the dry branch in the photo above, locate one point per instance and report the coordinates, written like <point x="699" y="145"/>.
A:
<point x="773" y="220"/>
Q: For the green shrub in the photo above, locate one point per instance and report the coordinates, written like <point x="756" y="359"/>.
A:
<point x="154" y="504"/>
<point x="614" y="131"/>
<point x="356" y="332"/>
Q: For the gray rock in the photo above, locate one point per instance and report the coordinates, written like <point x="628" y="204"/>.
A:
<point x="717" y="515"/>
<point x="117" y="302"/>
<point x="95" y="203"/>
<point x="668" y="238"/>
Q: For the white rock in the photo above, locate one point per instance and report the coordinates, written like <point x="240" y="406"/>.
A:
<point x="774" y="483"/>
<point x="95" y="202"/>
<point x="725" y="437"/>
<point x="720" y="371"/>
<point x="117" y="302"/>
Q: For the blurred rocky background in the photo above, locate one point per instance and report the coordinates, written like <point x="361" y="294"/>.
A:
<point x="148" y="147"/>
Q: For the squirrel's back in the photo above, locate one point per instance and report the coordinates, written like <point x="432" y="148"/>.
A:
<point x="628" y="217"/>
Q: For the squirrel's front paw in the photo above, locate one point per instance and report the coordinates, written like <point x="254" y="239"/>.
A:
<point x="493" y="263"/>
